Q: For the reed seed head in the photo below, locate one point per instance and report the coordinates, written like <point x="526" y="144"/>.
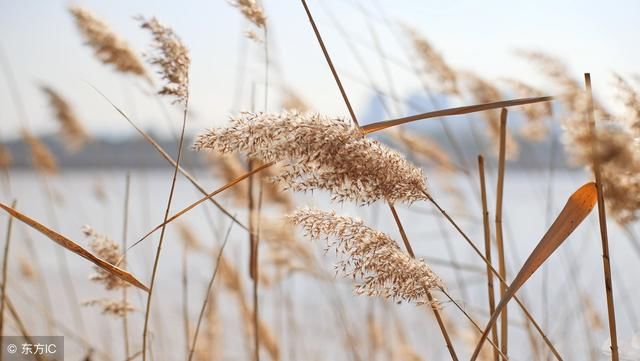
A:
<point x="110" y="251"/>
<point x="108" y="47"/>
<point x="74" y="134"/>
<point x="172" y="56"/>
<point x="535" y="129"/>
<point x="371" y="258"/>
<point x="5" y="157"/>
<point x="321" y="153"/>
<point x="251" y="11"/>
<point x="117" y="308"/>
<point x="42" y="158"/>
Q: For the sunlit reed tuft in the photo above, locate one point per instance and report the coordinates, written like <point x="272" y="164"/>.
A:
<point x="371" y="258"/>
<point x="172" y="56"/>
<point x="5" y="157"/>
<point x="321" y="153"/>
<point x="535" y="128"/>
<point x="251" y="11"/>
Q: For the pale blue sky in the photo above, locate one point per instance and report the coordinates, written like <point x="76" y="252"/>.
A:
<point x="43" y="46"/>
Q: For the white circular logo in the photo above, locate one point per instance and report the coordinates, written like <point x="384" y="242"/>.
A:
<point x="12" y="348"/>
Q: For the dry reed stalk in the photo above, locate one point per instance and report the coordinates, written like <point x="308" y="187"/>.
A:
<point x="377" y="126"/>
<point x="125" y="229"/>
<point x="172" y="57"/>
<point x="432" y="302"/>
<point x="73" y="132"/>
<point x="602" y="220"/>
<point x="235" y="283"/>
<point x="321" y="153"/>
<point x="108" y="46"/>
<point x="20" y="324"/>
<point x="433" y="63"/>
<point x="483" y="91"/>
<point x="253" y="260"/>
<point x="330" y="63"/>
<point x="535" y="129"/>
<point x="487" y="250"/>
<point x="502" y="266"/>
<point x="42" y="158"/>
<point x="5" y="271"/>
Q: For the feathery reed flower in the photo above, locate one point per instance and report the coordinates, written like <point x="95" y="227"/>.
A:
<point x="484" y="92"/>
<point x="5" y="157"/>
<point x="42" y="158"/>
<point x="631" y="101"/>
<point x="74" y="134"/>
<point x="372" y="258"/>
<point x="172" y="57"/>
<point x="321" y="153"/>
<point x="107" y="249"/>
<point x="433" y="63"/>
<point x="535" y="129"/>
<point x="252" y="11"/>
<point x="109" y="47"/>
<point x="117" y="308"/>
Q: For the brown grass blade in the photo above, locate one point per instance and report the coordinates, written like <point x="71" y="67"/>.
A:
<point x="75" y="248"/>
<point x="374" y="127"/>
<point x="574" y="212"/>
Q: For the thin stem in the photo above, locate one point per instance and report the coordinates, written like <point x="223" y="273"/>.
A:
<point x="495" y="273"/>
<point x="502" y="267"/>
<point x="487" y="249"/>
<point x="5" y="271"/>
<point x="602" y="220"/>
<point x="125" y="226"/>
<point x="330" y="63"/>
<point x="162" y="232"/>
<point x="432" y="302"/>
<point x="208" y="294"/>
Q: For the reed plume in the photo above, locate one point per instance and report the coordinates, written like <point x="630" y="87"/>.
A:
<point x="630" y="99"/>
<point x="71" y="129"/>
<point x="251" y="11"/>
<point x="107" y="45"/>
<point x="108" y="250"/>
<point x="188" y="236"/>
<point x="117" y="308"/>
<point x="321" y="153"/>
<point x="41" y="157"/>
<point x="252" y="35"/>
<point x="433" y="63"/>
<point x="172" y="57"/>
<point x="372" y="259"/>
<point x="535" y="129"/>
<point x="484" y="92"/>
